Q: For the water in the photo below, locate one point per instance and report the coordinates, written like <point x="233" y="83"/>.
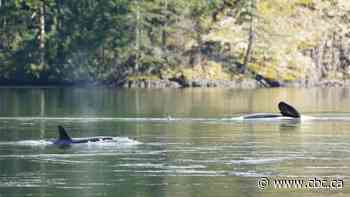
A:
<point x="186" y="142"/>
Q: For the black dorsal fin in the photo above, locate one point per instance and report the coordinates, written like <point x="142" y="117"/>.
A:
<point x="287" y="110"/>
<point x="63" y="134"/>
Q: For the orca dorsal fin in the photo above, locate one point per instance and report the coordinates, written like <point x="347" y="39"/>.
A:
<point x="63" y="134"/>
<point x="288" y="110"/>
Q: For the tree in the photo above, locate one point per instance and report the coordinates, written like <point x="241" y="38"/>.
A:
<point x="38" y="11"/>
<point x="89" y="40"/>
<point x="251" y="12"/>
<point x="201" y="13"/>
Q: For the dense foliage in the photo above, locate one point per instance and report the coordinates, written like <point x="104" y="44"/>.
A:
<point x="90" y="40"/>
<point x="107" y="41"/>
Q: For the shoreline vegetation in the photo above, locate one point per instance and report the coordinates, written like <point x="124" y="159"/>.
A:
<point x="175" y="44"/>
<point x="171" y="83"/>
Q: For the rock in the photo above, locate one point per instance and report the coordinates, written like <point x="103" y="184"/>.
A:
<point x="141" y="84"/>
<point x="248" y="84"/>
<point x="239" y="84"/>
<point x="198" y="83"/>
<point x="162" y="83"/>
<point x="125" y="85"/>
<point x="331" y="83"/>
<point x="234" y="84"/>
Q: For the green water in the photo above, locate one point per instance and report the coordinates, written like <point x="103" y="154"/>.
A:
<point x="170" y="142"/>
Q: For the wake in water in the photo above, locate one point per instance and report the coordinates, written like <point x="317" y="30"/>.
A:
<point x="116" y="141"/>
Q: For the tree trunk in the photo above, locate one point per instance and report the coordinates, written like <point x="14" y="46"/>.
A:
<point x="197" y="57"/>
<point x="42" y="36"/>
<point x="164" y="33"/>
<point x="251" y="38"/>
<point x="249" y="51"/>
<point x="137" y="37"/>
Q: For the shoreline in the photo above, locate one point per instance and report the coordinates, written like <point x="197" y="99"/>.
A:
<point x="230" y="84"/>
<point x="175" y="84"/>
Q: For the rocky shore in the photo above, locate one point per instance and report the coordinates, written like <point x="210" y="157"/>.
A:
<point x="244" y="84"/>
<point x="234" y="84"/>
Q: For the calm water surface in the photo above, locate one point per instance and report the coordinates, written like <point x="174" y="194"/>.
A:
<point x="170" y="142"/>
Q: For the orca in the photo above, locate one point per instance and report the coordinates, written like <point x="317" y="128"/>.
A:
<point x="65" y="140"/>
<point x="286" y="112"/>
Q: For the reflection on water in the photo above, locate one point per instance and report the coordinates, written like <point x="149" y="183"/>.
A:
<point x="200" y="103"/>
<point x="200" y="155"/>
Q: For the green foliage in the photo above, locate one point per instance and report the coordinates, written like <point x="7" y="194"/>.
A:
<point x="106" y="40"/>
<point x="90" y="40"/>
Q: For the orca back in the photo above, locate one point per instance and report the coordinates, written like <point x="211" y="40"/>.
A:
<point x="63" y="134"/>
<point x="287" y="110"/>
<point x="261" y="115"/>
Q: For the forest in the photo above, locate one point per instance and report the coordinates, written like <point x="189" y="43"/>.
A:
<point x="115" y="41"/>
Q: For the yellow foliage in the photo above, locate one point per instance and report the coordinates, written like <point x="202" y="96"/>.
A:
<point x="271" y="70"/>
<point x="306" y="45"/>
<point x="265" y="7"/>
<point x="190" y="73"/>
<point x="275" y="8"/>
<point x="305" y="3"/>
<point x="268" y="71"/>
<point x="290" y="77"/>
<point x="37" y="67"/>
<point x="169" y="73"/>
<point x="212" y="71"/>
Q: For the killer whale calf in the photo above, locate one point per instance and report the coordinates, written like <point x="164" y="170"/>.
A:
<point x="64" y="139"/>
<point x="287" y="112"/>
